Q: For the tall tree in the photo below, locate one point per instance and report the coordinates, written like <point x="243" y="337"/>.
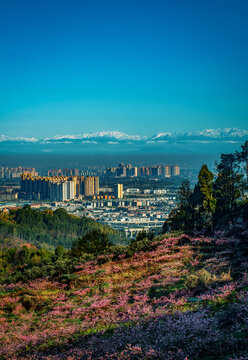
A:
<point x="94" y="242"/>
<point x="227" y="187"/>
<point x="205" y="183"/>
<point x="242" y="156"/>
<point x="181" y="217"/>
<point x="184" y="194"/>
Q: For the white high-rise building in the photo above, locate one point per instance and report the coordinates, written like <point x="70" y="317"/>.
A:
<point x="70" y="189"/>
<point x="62" y="190"/>
<point x="57" y="191"/>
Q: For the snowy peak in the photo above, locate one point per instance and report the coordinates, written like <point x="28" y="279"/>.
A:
<point x="163" y="135"/>
<point x="112" y="134"/>
<point x="4" y="138"/>
<point x="206" y="134"/>
<point x="100" y="135"/>
<point x="220" y="133"/>
<point x="62" y="137"/>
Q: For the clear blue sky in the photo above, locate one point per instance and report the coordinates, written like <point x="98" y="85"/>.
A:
<point x="138" y="66"/>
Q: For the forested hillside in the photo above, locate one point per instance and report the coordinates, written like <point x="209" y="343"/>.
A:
<point x="46" y="228"/>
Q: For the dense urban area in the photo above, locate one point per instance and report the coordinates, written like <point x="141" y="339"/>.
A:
<point x="126" y="197"/>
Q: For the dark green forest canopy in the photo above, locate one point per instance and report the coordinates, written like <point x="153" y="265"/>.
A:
<point x="46" y="228"/>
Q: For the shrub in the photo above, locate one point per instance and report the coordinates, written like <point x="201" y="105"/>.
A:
<point x="204" y="276"/>
<point x="201" y="277"/>
<point x="156" y="291"/>
<point x="28" y="302"/>
<point x="117" y="251"/>
<point x="59" y="251"/>
<point x="226" y="276"/>
<point x="10" y="307"/>
<point x="192" y="281"/>
<point x="94" y="242"/>
<point x="140" y="245"/>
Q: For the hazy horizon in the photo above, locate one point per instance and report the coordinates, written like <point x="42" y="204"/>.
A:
<point x="45" y="161"/>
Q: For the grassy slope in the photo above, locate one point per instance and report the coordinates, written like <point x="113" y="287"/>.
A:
<point x="134" y="308"/>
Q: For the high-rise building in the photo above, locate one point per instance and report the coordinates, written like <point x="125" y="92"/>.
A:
<point x="81" y="185"/>
<point x="118" y="191"/>
<point x="70" y="189"/>
<point x="121" y="171"/>
<point x="156" y="170"/>
<point x="58" y="191"/>
<point x="89" y="186"/>
<point x="134" y="171"/>
<point x="61" y="190"/>
<point x="175" y="170"/>
<point x="96" y="185"/>
<point x="75" y="172"/>
<point x="54" y="172"/>
<point x="166" y="170"/>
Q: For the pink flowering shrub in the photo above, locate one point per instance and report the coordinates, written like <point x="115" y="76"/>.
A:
<point x="130" y="308"/>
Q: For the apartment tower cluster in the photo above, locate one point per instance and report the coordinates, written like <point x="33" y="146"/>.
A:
<point x="150" y="170"/>
<point x="63" y="172"/>
<point x="59" y="188"/>
<point x="13" y="173"/>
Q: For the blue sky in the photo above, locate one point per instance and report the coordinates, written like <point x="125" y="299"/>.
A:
<point x="140" y="67"/>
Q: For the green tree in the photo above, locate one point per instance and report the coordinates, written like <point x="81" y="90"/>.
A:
<point x="95" y="242"/>
<point x="208" y="205"/>
<point x="23" y="256"/>
<point x="59" y="251"/>
<point x="242" y="156"/>
<point x="182" y="218"/>
<point x="228" y="188"/>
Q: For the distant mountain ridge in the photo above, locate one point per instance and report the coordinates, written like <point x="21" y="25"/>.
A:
<point x="228" y="134"/>
<point x="209" y="134"/>
<point x="205" y="141"/>
<point x="99" y="135"/>
<point x="5" y="138"/>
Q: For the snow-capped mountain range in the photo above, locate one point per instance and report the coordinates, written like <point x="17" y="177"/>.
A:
<point x="100" y="135"/>
<point x="115" y="137"/>
<point x="206" y="134"/>
<point x="4" y="138"/>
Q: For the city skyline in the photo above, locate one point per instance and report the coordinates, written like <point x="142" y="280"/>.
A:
<point x="137" y="67"/>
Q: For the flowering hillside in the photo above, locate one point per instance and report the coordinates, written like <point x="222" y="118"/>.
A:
<point x="184" y="298"/>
